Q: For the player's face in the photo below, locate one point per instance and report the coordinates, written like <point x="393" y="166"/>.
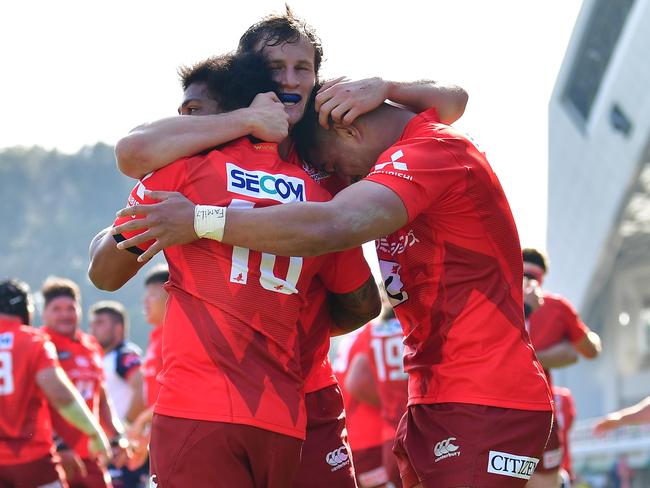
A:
<point x="196" y="101"/>
<point x="104" y="329"/>
<point x="62" y="315"/>
<point x="155" y="298"/>
<point x="293" y="69"/>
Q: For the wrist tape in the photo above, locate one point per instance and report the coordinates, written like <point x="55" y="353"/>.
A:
<point x="209" y="221"/>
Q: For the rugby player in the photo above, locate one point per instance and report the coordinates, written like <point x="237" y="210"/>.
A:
<point x="478" y="398"/>
<point x="80" y="356"/>
<point x="558" y="336"/>
<point x="236" y="381"/>
<point x="30" y="378"/>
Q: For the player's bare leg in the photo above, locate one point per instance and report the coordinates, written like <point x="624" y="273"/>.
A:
<point x="549" y="479"/>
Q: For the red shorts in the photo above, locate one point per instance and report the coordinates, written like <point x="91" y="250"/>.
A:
<point x="97" y="476"/>
<point x="187" y="452"/>
<point x="369" y="468"/>
<point x="448" y="445"/>
<point x="326" y="460"/>
<point x="46" y="472"/>
<point x="553" y="452"/>
<point x="389" y="460"/>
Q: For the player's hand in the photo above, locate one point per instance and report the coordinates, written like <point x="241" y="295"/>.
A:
<point x="100" y="447"/>
<point x="169" y="223"/>
<point x="610" y="422"/>
<point x="72" y="464"/>
<point x="533" y="294"/>
<point x="270" y="120"/>
<point x="345" y="100"/>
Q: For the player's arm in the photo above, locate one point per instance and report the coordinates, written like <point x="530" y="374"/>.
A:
<point x="360" y="381"/>
<point x="107" y="415"/>
<point x="636" y="414"/>
<point x="358" y="214"/>
<point x="65" y="398"/>
<point x="136" y="384"/>
<point x="110" y="267"/>
<point x="589" y="346"/>
<point x="345" y="100"/>
<point x="154" y="145"/>
<point x="558" y="355"/>
<point x="352" y="310"/>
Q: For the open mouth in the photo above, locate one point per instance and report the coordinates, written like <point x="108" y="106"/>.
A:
<point x="289" y="99"/>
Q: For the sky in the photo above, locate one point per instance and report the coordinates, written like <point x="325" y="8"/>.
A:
<point x="78" y="72"/>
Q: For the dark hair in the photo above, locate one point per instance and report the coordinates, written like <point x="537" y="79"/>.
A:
<point x="276" y="29"/>
<point x="16" y="299"/>
<point x="116" y="311"/>
<point x="55" y="287"/>
<point x="158" y="275"/>
<point x="305" y="134"/>
<point x="233" y="80"/>
<point x="534" y="256"/>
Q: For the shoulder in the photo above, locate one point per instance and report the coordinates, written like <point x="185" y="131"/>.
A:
<point x="556" y="301"/>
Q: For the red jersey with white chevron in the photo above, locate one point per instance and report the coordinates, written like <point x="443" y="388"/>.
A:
<point x="230" y="341"/>
<point x="454" y="272"/>
<point x="25" y="427"/>
<point x="81" y="358"/>
<point x="363" y="421"/>
<point x="315" y="321"/>
<point x="387" y="349"/>
<point x="152" y="365"/>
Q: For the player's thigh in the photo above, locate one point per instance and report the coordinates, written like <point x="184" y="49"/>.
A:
<point x="326" y="458"/>
<point x="273" y="457"/>
<point x="547" y="479"/>
<point x="455" y="445"/>
<point x="186" y="452"/>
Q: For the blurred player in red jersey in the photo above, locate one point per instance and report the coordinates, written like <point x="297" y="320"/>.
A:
<point x="480" y="408"/>
<point x="381" y="365"/>
<point x="558" y="335"/>
<point x="253" y="309"/>
<point x="30" y="377"/>
<point x="295" y="54"/>
<point x="363" y="416"/>
<point x="109" y="324"/>
<point x="155" y="300"/>
<point x="565" y="413"/>
<point x="80" y="356"/>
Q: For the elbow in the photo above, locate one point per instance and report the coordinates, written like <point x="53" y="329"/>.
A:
<point x="456" y="107"/>
<point x="102" y="278"/>
<point x="129" y="152"/>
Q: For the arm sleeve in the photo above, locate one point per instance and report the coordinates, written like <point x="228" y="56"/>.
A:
<point x="575" y="328"/>
<point x="127" y="363"/>
<point x="165" y="179"/>
<point x="45" y="355"/>
<point x="345" y="271"/>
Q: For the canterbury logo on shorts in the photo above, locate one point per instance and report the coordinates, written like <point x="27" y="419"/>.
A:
<point x="446" y="449"/>
<point x="338" y="458"/>
<point x="507" y="464"/>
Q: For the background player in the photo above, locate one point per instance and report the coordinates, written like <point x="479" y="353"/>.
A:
<point x="81" y="358"/>
<point x="558" y="336"/>
<point x="381" y="366"/>
<point x="109" y="324"/>
<point x="363" y="416"/>
<point x="30" y="377"/>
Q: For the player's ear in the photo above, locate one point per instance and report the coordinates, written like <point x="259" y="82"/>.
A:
<point x="347" y="132"/>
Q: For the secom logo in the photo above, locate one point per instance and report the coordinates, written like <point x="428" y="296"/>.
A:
<point x="259" y="184"/>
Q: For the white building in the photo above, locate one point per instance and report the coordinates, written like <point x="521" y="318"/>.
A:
<point x="599" y="199"/>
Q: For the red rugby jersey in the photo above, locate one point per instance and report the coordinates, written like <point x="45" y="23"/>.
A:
<point x="565" y="413"/>
<point x="363" y="421"/>
<point x="555" y="321"/>
<point x="25" y="427"/>
<point x="81" y="359"/>
<point x="315" y="321"/>
<point x="454" y="274"/>
<point x="152" y="365"/>
<point x="386" y="357"/>
<point x="230" y="341"/>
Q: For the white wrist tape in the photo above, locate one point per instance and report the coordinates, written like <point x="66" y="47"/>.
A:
<point x="209" y="221"/>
